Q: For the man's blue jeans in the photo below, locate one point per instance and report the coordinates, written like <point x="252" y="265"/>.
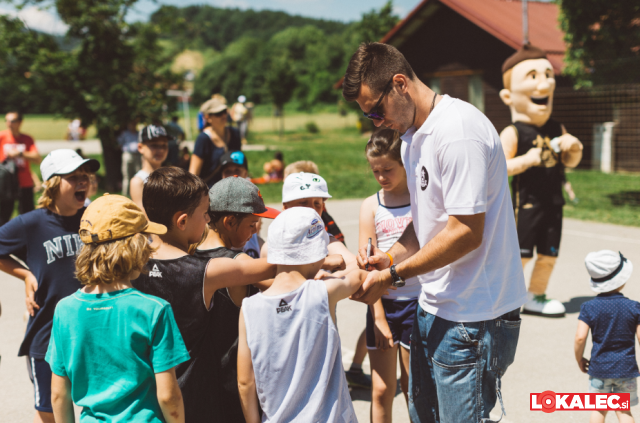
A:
<point x="456" y="367"/>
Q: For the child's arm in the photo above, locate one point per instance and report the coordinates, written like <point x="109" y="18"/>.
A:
<point x="264" y="250"/>
<point x="226" y="272"/>
<point x="15" y="269"/>
<point x="337" y="247"/>
<point x="580" y="342"/>
<point x="342" y="287"/>
<point x="169" y="396"/>
<point x="246" y="377"/>
<point x="61" y="399"/>
<point x="381" y="330"/>
<point x="136" y="185"/>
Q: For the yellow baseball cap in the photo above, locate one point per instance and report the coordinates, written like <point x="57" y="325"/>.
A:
<point x="112" y="217"/>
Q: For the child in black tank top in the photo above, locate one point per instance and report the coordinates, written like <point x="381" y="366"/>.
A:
<point x="180" y="201"/>
<point x="228" y="232"/>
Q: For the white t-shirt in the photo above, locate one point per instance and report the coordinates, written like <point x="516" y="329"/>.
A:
<point x="455" y="166"/>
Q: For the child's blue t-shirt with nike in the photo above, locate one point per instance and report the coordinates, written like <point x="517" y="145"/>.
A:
<point x="110" y="346"/>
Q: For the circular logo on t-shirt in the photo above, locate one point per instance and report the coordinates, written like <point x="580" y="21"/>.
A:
<point x="424" y="178"/>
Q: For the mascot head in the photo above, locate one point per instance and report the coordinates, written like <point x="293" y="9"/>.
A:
<point x="528" y="86"/>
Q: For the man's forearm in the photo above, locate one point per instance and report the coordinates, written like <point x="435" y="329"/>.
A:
<point x="406" y="246"/>
<point x="452" y="243"/>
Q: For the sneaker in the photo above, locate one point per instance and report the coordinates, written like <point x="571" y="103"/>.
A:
<point x="539" y="305"/>
<point x="357" y="379"/>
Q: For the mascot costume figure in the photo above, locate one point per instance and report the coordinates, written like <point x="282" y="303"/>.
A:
<point x="537" y="149"/>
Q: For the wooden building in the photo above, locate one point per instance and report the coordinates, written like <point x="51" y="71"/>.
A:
<point x="457" y="47"/>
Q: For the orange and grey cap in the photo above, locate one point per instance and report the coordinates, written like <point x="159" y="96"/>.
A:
<point x="112" y="217"/>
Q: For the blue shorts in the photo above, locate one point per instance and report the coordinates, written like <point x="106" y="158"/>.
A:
<point x="40" y="375"/>
<point x="615" y="386"/>
<point x="400" y="317"/>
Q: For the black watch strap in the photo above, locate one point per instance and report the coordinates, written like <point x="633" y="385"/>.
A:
<point x="398" y="282"/>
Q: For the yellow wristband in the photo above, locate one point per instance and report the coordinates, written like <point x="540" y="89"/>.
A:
<point x="390" y="258"/>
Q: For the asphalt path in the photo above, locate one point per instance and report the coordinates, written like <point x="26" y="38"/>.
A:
<point x="544" y="359"/>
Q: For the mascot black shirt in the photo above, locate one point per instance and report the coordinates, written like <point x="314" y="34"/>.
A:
<point x="540" y="184"/>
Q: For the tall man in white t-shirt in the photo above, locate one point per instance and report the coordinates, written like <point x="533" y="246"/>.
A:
<point x="462" y="244"/>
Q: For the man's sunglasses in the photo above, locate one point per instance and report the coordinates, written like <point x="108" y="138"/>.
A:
<point x="219" y="114"/>
<point x="374" y="113"/>
<point x="13" y="120"/>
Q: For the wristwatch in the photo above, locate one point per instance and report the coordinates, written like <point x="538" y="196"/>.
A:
<point x="398" y="282"/>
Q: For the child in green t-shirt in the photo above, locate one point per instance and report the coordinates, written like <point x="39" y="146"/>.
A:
<point x="113" y="349"/>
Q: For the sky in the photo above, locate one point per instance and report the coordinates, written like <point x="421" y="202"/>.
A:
<point x="340" y="10"/>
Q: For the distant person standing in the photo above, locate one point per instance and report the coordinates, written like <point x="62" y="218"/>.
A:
<point x="215" y="139"/>
<point x="240" y="115"/>
<point x="131" y="159"/>
<point x="22" y="150"/>
<point x="176" y="136"/>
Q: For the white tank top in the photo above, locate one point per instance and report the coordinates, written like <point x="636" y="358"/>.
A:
<point x="390" y="224"/>
<point x="297" y="360"/>
<point x="142" y="175"/>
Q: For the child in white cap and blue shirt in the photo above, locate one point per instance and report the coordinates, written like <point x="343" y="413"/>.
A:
<point x="289" y="355"/>
<point x="614" y="321"/>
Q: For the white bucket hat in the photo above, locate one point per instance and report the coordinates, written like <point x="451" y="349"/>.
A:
<point x="608" y="270"/>
<point x="63" y="162"/>
<point x="297" y="237"/>
<point x="304" y="185"/>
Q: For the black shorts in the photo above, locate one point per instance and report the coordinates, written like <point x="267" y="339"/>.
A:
<point x="539" y="226"/>
<point x="40" y="375"/>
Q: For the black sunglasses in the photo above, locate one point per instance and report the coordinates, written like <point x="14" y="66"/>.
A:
<point x="374" y="114"/>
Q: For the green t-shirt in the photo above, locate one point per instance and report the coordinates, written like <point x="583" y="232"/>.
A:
<point x="110" y="346"/>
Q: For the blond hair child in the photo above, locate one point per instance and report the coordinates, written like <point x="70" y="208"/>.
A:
<point x="383" y="218"/>
<point x="47" y="240"/>
<point x="113" y="349"/>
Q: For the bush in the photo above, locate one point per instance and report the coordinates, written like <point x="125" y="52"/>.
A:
<point x="312" y="127"/>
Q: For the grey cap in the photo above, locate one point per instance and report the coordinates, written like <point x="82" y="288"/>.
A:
<point x="238" y="195"/>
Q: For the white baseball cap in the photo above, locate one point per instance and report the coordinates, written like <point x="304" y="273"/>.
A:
<point x="304" y="185"/>
<point x="608" y="270"/>
<point x="297" y="237"/>
<point x="63" y="162"/>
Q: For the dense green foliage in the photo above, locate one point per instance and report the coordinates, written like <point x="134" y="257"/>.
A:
<point x="116" y="73"/>
<point x="201" y="27"/>
<point x="603" y="39"/>
<point x="22" y="52"/>
<point x="297" y="63"/>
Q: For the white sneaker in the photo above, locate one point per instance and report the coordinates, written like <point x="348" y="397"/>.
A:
<point x="539" y="305"/>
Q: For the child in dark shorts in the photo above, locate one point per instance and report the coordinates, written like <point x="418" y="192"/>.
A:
<point x="47" y="240"/>
<point x="614" y="321"/>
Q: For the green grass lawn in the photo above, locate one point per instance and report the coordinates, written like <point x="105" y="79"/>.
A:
<point x="339" y="154"/>
<point x="608" y="198"/>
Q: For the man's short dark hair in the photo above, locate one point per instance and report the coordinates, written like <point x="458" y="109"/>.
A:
<point x="170" y="190"/>
<point x="17" y="113"/>
<point x="373" y="64"/>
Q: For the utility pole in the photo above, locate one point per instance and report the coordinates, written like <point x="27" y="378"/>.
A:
<point x="525" y="22"/>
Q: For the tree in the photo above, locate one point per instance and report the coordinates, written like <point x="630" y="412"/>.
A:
<point x="603" y="39"/>
<point x="21" y="87"/>
<point x="116" y="74"/>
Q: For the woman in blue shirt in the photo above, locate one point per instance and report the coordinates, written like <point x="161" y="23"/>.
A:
<point x="214" y="140"/>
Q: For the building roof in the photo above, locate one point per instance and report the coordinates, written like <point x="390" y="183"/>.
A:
<point x="500" y="18"/>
